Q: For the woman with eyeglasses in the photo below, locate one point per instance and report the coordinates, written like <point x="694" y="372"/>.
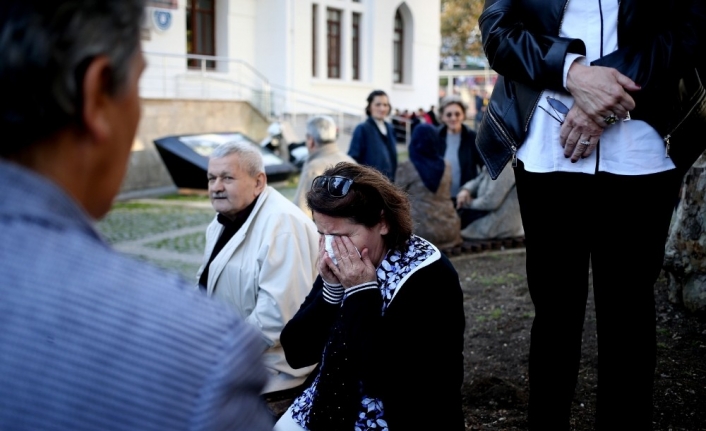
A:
<point x="426" y="177"/>
<point x="384" y="320"/>
<point x="373" y="142"/>
<point x="458" y="147"/>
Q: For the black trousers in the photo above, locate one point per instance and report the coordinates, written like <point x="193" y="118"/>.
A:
<point x="618" y="225"/>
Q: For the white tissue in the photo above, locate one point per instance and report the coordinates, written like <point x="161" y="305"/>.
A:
<point x="328" y="239"/>
<point x="328" y="244"/>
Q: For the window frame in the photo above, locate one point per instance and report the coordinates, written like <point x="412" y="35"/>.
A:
<point x="314" y="39"/>
<point x="398" y="49"/>
<point x="193" y="11"/>
<point x="333" y="43"/>
<point x="356" y="19"/>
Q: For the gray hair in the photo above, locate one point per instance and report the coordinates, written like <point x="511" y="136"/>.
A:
<point x="249" y="156"/>
<point x="322" y="129"/>
<point x="452" y="100"/>
<point x="45" y="49"/>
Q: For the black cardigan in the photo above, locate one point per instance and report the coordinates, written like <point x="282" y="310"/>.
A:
<point x="468" y="156"/>
<point x="411" y="358"/>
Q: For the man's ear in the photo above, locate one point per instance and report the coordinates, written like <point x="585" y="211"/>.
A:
<point x="96" y="98"/>
<point x="310" y="144"/>
<point x="261" y="183"/>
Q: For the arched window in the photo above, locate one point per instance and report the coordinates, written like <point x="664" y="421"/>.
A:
<point x="398" y="50"/>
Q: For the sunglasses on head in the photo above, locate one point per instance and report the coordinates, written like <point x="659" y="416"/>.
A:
<point x="336" y="186"/>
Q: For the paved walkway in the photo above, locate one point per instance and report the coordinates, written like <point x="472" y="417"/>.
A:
<point x="169" y="233"/>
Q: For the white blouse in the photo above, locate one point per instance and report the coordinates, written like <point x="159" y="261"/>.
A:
<point x="626" y="148"/>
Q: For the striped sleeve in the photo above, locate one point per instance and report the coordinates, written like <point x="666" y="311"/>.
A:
<point x="359" y="288"/>
<point x="333" y="293"/>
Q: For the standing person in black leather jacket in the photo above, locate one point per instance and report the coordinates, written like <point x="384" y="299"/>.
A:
<point x="580" y="109"/>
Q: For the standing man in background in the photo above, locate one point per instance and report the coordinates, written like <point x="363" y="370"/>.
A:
<point x="321" y="134"/>
<point x="92" y="339"/>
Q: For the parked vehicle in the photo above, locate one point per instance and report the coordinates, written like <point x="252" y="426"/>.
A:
<point x="186" y="158"/>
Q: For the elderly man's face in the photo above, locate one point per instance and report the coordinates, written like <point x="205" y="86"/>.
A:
<point x="230" y="187"/>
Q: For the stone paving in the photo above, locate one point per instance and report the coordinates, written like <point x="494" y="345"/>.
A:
<point x="169" y="232"/>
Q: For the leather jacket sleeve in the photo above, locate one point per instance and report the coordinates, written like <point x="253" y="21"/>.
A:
<point x="651" y="55"/>
<point x="532" y="58"/>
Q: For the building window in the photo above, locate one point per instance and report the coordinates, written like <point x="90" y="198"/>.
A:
<point x="355" y="46"/>
<point x="200" y="31"/>
<point x="398" y="52"/>
<point x="314" y="38"/>
<point x="333" y="37"/>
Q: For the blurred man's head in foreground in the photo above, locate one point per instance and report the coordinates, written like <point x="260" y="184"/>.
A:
<point x="69" y="73"/>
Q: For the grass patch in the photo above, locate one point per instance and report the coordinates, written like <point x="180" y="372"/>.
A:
<point x="132" y="221"/>
<point x="126" y="206"/>
<point x="496" y="313"/>
<point x="181" y="197"/>
<point x="193" y="243"/>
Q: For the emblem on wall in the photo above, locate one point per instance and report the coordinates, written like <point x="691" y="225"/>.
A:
<point x="161" y="19"/>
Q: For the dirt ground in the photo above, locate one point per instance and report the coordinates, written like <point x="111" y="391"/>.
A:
<point x="499" y="315"/>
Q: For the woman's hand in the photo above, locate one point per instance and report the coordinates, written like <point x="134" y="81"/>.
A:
<point x="353" y="269"/>
<point x="579" y="134"/>
<point x="325" y="264"/>
<point x="601" y="92"/>
<point x="463" y="199"/>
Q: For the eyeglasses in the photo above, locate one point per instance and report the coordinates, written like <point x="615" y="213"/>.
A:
<point x="337" y="187"/>
<point x="558" y="107"/>
<point x="452" y="114"/>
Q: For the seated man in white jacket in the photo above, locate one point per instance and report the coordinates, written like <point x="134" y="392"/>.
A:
<point x="260" y="255"/>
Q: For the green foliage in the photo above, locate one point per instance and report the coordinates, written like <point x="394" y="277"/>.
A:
<point x="459" y="27"/>
<point x="496" y="313"/>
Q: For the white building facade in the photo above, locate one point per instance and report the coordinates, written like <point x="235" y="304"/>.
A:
<point x="293" y="56"/>
<point x="238" y="65"/>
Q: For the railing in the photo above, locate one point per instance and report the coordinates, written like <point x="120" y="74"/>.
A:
<point x="403" y="129"/>
<point x="191" y="76"/>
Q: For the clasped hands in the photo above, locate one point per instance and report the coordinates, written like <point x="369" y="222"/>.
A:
<point x="352" y="269"/>
<point x="600" y="95"/>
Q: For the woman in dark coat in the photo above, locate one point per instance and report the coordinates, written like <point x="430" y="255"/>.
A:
<point x="384" y="319"/>
<point x="373" y="142"/>
<point x="426" y="177"/>
<point x="458" y="146"/>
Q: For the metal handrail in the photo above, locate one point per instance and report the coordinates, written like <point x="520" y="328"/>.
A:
<point x="210" y="58"/>
<point x="270" y="99"/>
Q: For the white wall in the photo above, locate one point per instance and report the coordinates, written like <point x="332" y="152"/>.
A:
<point x="275" y="37"/>
<point x="421" y="86"/>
